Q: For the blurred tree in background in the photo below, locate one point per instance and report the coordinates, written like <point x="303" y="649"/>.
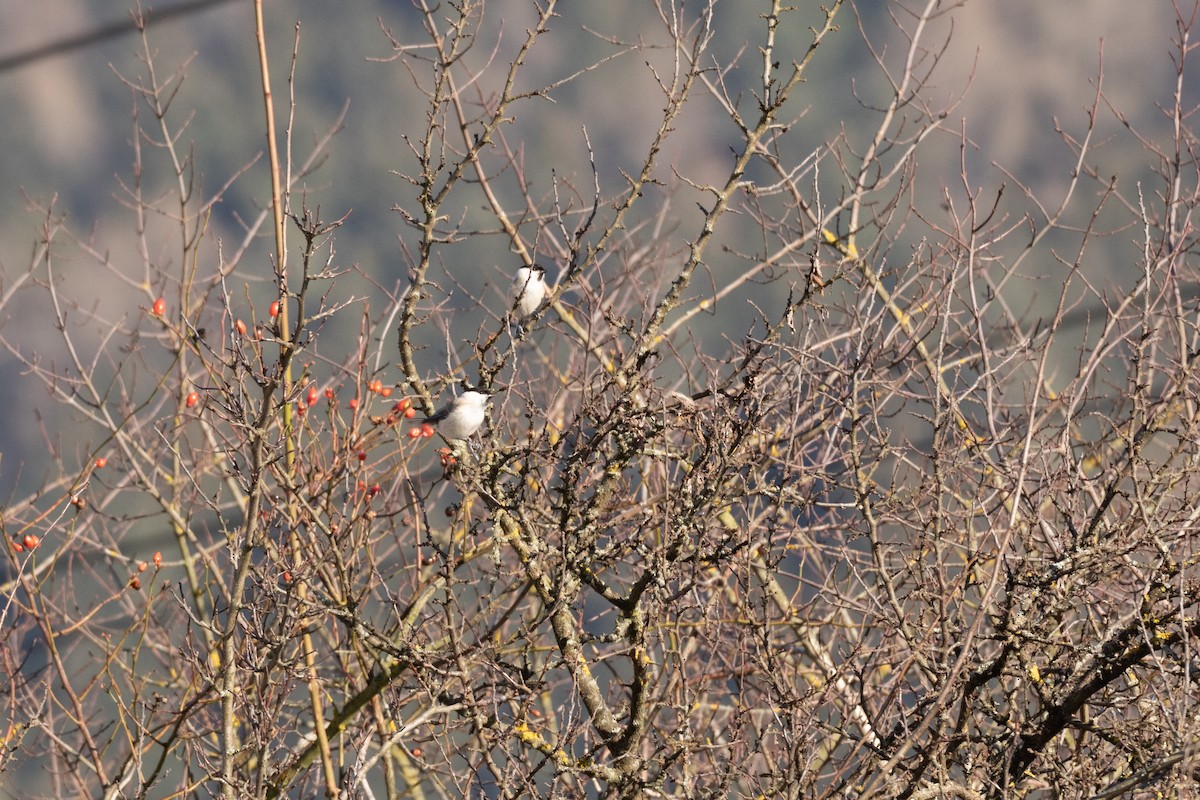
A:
<point x="839" y="461"/>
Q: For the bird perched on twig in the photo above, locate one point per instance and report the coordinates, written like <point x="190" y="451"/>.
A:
<point x="462" y="416"/>
<point x="529" y="290"/>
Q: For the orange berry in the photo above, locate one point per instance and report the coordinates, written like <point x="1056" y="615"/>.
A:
<point x="274" y="309"/>
<point x="192" y="399"/>
<point x="287" y="576"/>
<point x="159" y="308"/>
<point x="142" y="566"/>
<point x="416" y="751"/>
<point x="386" y="391"/>
<point x="414" y="433"/>
<point x="157" y="558"/>
<point x="427" y="430"/>
<point x="17" y="547"/>
<point x="353" y="402"/>
<point x="405" y="404"/>
<point x="101" y="462"/>
<point x="410" y="412"/>
<point x="240" y="327"/>
<point x="135" y="582"/>
<point x="312" y="395"/>
<point x="329" y="394"/>
<point x="31" y="541"/>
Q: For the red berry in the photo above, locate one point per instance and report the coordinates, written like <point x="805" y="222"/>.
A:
<point x="362" y="455"/>
<point x="329" y="394"/>
<point x="354" y="402"/>
<point x="159" y="308"/>
<point x="100" y="462"/>
<point x="386" y="391"/>
<point x="410" y="412"/>
<point x="274" y="309"/>
<point x="427" y="430"/>
<point x="414" y="433"/>
<point x="157" y="558"/>
<point x="240" y="327"/>
<point x="31" y="541"/>
<point x="192" y="399"/>
<point x="142" y="566"/>
<point x="312" y="395"/>
<point x="135" y="582"/>
<point x="17" y="547"/>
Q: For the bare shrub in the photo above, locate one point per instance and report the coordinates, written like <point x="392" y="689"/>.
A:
<point x="784" y="492"/>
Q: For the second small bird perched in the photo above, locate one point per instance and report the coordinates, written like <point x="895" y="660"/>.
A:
<point x="529" y="290"/>
<point x="462" y="416"/>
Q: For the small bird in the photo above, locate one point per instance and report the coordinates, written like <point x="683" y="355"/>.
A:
<point x="529" y="290"/>
<point x="462" y="416"/>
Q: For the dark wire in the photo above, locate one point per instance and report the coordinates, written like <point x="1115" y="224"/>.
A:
<point x="102" y="33"/>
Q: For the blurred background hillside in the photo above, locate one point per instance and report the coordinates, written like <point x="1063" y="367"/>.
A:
<point x="66" y="131"/>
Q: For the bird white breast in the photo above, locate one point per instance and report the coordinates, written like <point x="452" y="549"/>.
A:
<point x="530" y="291"/>
<point x="465" y="417"/>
